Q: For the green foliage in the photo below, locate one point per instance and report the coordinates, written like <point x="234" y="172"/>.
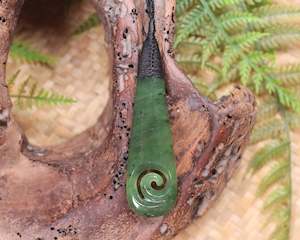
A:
<point x="267" y="153"/>
<point x="289" y="75"/>
<point x="90" y="22"/>
<point x="19" y="50"/>
<point x="237" y="41"/>
<point x="245" y="39"/>
<point x="27" y="94"/>
<point x="267" y="130"/>
<point x="276" y="173"/>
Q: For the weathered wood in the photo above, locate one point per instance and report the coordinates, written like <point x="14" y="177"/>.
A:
<point x="76" y="190"/>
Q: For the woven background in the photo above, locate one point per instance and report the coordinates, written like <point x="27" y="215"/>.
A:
<point x="81" y="72"/>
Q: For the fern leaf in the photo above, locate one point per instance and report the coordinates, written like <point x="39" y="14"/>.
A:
<point x="293" y="120"/>
<point x="184" y="5"/>
<point x="241" y="38"/>
<point x="230" y="56"/>
<point x="278" y="196"/>
<point x="288" y="75"/>
<point x="217" y="4"/>
<point x="194" y="62"/>
<point x="211" y="46"/>
<point x="11" y="81"/>
<point x="258" y="79"/>
<point x="201" y="87"/>
<point x="271" y="18"/>
<point x="29" y="95"/>
<point x="189" y="24"/>
<point x="89" y="23"/>
<point x="241" y="44"/>
<point x="247" y="40"/>
<point x="236" y="20"/>
<point x="281" y="215"/>
<point x="279" y="40"/>
<point x="267" y="109"/>
<point x="267" y="153"/>
<point x="269" y="129"/>
<point x="22" y="51"/>
<point x="195" y="41"/>
<point x="46" y="97"/>
<point x="245" y="71"/>
<point x="277" y="173"/>
<point x="205" y="30"/>
<point x="276" y="9"/>
<point x="22" y="90"/>
<point x="187" y="60"/>
<point x="281" y="232"/>
<point x="253" y="2"/>
<point x="286" y="97"/>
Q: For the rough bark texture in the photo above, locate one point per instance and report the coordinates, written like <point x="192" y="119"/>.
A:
<point x="76" y="190"/>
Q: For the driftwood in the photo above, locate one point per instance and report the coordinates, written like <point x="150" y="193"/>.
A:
<point x="76" y="190"/>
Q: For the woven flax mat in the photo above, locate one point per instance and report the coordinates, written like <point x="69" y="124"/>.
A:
<point x="81" y="72"/>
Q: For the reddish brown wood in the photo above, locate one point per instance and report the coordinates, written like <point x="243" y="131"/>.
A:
<point x="76" y="190"/>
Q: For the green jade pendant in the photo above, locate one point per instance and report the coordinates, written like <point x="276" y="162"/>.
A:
<point x="151" y="181"/>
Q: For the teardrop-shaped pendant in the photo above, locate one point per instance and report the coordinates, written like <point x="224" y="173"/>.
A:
<point x="151" y="179"/>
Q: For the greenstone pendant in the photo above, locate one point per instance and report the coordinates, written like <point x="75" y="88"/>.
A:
<point x="151" y="184"/>
<point x="151" y="177"/>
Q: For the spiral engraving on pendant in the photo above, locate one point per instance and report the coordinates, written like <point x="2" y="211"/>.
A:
<point x="152" y="194"/>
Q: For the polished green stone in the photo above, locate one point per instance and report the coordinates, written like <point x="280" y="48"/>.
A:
<point x="151" y="182"/>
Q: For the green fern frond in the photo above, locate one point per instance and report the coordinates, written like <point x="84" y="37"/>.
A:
<point x="281" y="215"/>
<point x="245" y="72"/>
<point x="218" y="4"/>
<point x="279" y="40"/>
<point x="277" y="173"/>
<point x="288" y="99"/>
<point x="269" y="129"/>
<point x="211" y="46"/>
<point x="189" y="23"/>
<point x="269" y="152"/>
<point x="205" y="30"/>
<point x="293" y="120"/>
<point x="21" y="51"/>
<point x="236" y="51"/>
<point x="202" y="87"/>
<point x="276" y="10"/>
<point x="189" y="60"/>
<point x="281" y="232"/>
<point x="288" y="75"/>
<point x="232" y="76"/>
<point x="27" y="94"/>
<point x="11" y="81"/>
<point x="184" y="5"/>
<point x="257" y="79"/>
<point x="276" y="14"/>
<point x="89" y="23"/>
<point x="21" y="91"/>
<point x="230" y="56"/>
<point x="279" y="196"/>
<point x="41" y="98"/>
<point x="246" y="41"/>
<point x="194" y="41"/>
<point x="254" y="3"/>
<point x="267" y="109"/>
<point x="193" y="62"/>
<point x="240" y="39"/>
<point x="236" y="20"/>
